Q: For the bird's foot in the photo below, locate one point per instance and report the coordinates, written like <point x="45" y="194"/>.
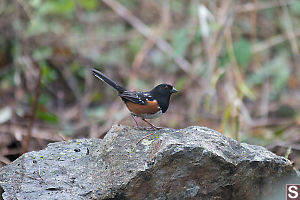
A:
<point x="149" y="128"/>
<point x="152" y="126"/>
<point x="156" y="127"/>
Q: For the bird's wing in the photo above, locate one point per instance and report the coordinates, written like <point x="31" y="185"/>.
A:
<point x="136" y="97"/>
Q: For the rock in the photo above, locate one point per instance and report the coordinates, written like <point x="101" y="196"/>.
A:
<point x="191" y="163"/>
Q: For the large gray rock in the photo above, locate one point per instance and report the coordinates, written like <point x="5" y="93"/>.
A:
<point x="191" y="163"/>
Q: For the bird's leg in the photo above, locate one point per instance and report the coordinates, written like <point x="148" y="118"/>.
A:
<point x="155" y="127"/>
<point x="137" y="125"/>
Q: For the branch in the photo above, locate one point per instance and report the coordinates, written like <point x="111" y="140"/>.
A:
<point x="148" y="33"/>
<point x="33" y="110"/>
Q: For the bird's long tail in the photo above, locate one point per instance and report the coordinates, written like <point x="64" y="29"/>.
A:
<point x="107" y="80"/>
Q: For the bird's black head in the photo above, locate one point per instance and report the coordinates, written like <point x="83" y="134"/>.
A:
<point x="163" y="93"/>
<point x="164" y="89"/>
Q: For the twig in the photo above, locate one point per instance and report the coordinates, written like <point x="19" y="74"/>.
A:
<point x="5" y="68"/>
<point x="62" y="137"/>
<point x="144" y="137"/>
<point x="138" y="61"/>
<point x="275" y="40"/>
<point x="103" y="130"/>
<point x="23" y="174"/>
<point x="253" y="20"/>
<point x="70" y="81"/>
<point x="265" y="99"/>
<point x="42" y="132"/>
<point x="214" y="44"/>
<point x="237" y="80"/>
<point x="4" y="160"/>
<point x="289" y="28"/>
<point x="269" y="122"/>
<point x="26" y="8"/>
<point x="249" y="7"/>
<point x="292" y="143"/>
<point x="33" y="110"/>
<point x="117" y="107"/>
<point x="148" y="45"/>
<point x="39" y="172"/>
<point x="148" y="33"/>
<point x="225" y="21"/>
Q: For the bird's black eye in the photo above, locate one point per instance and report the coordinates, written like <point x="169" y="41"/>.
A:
<point x="166" y="87"/>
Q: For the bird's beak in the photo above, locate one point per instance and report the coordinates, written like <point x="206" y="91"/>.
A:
<point x="173" y="90"/>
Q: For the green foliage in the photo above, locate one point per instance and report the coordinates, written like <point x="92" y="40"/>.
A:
<point x="77" y="69"/>
<point x="180" y="42"/>
<point x="42" y="53"/>
<point x="57" y="7"/>
<point x="177" y="5"/>
<point x="6" y="80"/>
<point x="140" y="84"/>
<point x="242" y="51"/>
<point x="295" y="8"/>
<point x="42" y="113"/>
<point x="96" y="113"/>
<point x="37" y="26"/>
<point x="248" y="138"/>
<point x="277" y="70"/>
<point x="247" y="91"/>
<point x="198" y="37"/>
<point x="96" y="96"/>
<point x="288" y="152"/>
<point x="43" y="99"/>
<point x="16" y="48"/>
<point x="134" y="47"/>
<point x="46" y="116"/>
<point x="226" y="121"/>
<point x="113" y="57"/>
<point x="158" y="58"/>
<point x="180" y="83"/>
<point x="48" y="74"/>
<point x="89" y="5"/>
<point x="224" y="59"/>
<point x="285" y="111"/>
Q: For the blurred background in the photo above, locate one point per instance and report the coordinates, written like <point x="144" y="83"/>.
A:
<point x="235" y="63"/>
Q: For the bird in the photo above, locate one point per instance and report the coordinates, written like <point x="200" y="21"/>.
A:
<point x="146" y="105"/>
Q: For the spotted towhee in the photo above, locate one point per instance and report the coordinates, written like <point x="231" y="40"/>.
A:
<point x="146" y="105"/>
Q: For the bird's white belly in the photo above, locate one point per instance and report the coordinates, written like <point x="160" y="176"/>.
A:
<point x="149" y="116"/>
